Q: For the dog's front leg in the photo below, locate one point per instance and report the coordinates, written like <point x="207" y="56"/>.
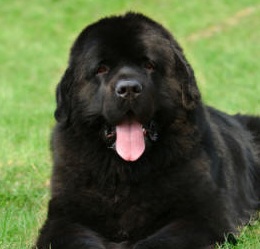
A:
<point x="61" y="234"/>
<point x="181" y="235"/>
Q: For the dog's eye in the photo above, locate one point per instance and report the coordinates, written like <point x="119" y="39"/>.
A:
<point x="102" y="69"/>
<point x="149" y="65"/>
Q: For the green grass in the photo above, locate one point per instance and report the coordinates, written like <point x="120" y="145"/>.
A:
<point x="221" y="39"/>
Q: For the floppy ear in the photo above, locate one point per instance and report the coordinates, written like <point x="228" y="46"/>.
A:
<point x="63" y="97"/>
<point x="185" y="74"/>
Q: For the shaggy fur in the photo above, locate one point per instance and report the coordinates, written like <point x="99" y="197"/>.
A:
<point x="198" y="178"/>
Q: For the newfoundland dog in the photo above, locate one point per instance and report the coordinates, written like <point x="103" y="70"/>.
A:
<point x="139" y="161"/>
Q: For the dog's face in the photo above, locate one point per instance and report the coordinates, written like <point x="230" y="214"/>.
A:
<point x="127" y="79"/>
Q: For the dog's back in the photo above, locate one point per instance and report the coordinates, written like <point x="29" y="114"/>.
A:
<point x="252" y="123"/>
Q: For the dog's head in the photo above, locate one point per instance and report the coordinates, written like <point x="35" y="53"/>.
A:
<point x="128" y="78"/>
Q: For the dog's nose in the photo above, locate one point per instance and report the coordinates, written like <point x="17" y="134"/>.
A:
<point x="128" y="89"/>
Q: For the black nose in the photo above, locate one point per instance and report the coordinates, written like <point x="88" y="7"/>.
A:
<point x="128" y="89"/>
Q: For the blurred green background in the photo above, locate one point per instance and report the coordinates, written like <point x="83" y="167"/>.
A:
<point x="221" y="39"/>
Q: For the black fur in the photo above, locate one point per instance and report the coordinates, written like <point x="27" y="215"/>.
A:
<point x="194" y="185"/>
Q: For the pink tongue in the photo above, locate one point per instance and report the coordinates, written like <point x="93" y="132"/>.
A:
<point x="130" y="143"/>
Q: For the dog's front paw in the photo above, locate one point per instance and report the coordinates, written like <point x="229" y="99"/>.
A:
<point x="144" y="244"/>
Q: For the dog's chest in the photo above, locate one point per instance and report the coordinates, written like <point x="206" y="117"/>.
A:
<point x="128" y="212"/>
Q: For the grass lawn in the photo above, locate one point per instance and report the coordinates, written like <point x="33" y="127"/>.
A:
<point x="221" y="39"/>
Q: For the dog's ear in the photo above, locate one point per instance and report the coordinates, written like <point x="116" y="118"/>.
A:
<point x="63" y="97"/>
<point x="185" y="74"/>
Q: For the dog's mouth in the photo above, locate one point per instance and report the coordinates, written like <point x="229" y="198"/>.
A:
<point x="129" y="138"/>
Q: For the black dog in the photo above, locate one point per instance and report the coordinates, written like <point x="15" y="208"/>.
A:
<point x="139" y="161"/>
